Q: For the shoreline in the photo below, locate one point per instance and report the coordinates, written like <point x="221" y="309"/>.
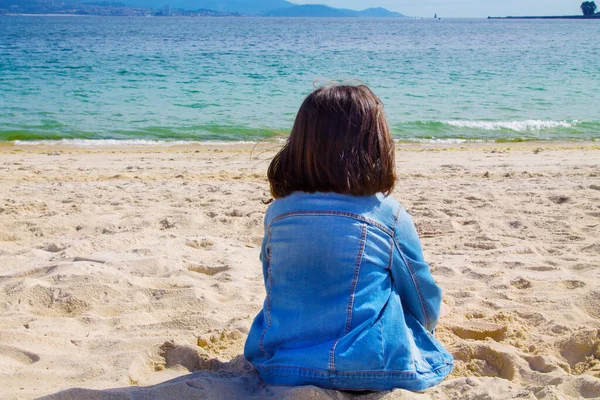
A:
<point x="101" y="145"/>
<point x="160" y="147"/>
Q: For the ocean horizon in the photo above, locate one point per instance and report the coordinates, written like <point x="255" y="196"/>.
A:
<point x="98" y="80"/>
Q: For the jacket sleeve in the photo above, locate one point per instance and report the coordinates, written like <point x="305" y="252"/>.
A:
<point x="412" y="278"/>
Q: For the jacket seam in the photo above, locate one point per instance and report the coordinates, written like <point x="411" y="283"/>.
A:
<point x="264" y="256"/>
<point x="374" y="372"/>
<point x="415" y="280"/>
<point x="270" y="287"/>
<point x="411" y="271"/>
<point x="359" y="217"/>
<point x="332" y="356"/>
<point x="359" y="256"/>
<point x="382" y="343"/>
<point x="391" y="255"/>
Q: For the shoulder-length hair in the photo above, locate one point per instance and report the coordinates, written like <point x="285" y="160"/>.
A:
<point x="340" y="143"/>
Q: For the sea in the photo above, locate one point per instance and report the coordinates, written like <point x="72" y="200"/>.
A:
<point x="119" y="80"/>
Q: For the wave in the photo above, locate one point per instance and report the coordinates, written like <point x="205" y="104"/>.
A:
<point x="516" y="126"/>
<point x="485" y="130"/>
<point x="446" y="131"/>
<point x="187" y="133"/>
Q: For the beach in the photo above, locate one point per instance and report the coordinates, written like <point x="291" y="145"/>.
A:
<point x="133" y="272"/>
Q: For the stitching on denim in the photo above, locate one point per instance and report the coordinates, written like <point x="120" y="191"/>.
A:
<point x="332" y="356"/>
<point x="359" y="256"/>
<point x="411" y="271"/>
<point x="335" y="214"/>
<point x="266" y="254"/>
<point x="391" y="255"/>
<point x="366" y="375"/>
<point x="382" y="342"/>
<point x="324" y="372"/>
<point x="416" y="283"/>
<point x="270" y="280"/>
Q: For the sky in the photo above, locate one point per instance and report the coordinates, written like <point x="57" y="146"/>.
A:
<point x="461" y="8"/>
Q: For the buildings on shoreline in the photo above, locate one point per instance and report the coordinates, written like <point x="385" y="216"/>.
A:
<point x="98" y="8"/>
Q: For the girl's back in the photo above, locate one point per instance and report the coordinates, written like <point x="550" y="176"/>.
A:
<point x="333" y="315"/>
<point x="350" y="303"/>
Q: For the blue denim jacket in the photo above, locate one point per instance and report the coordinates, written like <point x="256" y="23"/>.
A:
<point x="350" y="302"/>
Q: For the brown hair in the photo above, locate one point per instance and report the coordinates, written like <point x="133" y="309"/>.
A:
<point x="340" y="143"/>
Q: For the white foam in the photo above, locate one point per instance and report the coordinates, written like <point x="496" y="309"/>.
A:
<point x="517" y="126"/>
<point x="444" y="141"/>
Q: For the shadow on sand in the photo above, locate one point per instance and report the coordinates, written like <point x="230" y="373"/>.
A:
<point x="209" y="379"/>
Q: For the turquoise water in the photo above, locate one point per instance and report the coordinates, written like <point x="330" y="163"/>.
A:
<point x="243" y="79"/>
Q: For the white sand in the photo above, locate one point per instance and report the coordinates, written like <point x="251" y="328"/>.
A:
<point x="122" y="270"/>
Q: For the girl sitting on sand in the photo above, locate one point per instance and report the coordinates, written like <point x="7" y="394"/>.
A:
<point x="350" y="302"/>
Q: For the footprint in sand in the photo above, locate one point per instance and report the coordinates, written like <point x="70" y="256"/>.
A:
<point x="582" y="351"/>
<point x="543" y="268"/>
<point x="207" y="270"/>
<point x="54" y="248"/>
<point x="199" y="243"/>
<point x="595" y="248"/>
<point x="481" y="245"/>
<point x="171" y="355"/>
<point x="223" y="343"/>
<point x="573" y="284"/>
<point x="521" y="283"/>
<point x="234" y="213"/>
<point x="196" y="358"/>
<point x="14" y="355"/>
<point x="560" y="199"/>
<point x="433" y="228"/>
<point x="486" y="359"/>
<point x="546" y="364"/>
<point x="515" y="224"/>
<point x="591" y="304"/>
<point x="480" y="331"/>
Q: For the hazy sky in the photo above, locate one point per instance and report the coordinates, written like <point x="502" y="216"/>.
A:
<point x="461" y="8"/>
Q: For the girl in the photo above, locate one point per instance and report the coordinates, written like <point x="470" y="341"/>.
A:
<point x="350" y="302"/>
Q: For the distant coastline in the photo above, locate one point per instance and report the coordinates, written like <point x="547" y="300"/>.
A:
<point x="47" y="15"/>
<point x="597" y="16"/>
<point x="183" y="8"/>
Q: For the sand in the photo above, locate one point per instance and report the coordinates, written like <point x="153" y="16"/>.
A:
<point x="135" y="274"/>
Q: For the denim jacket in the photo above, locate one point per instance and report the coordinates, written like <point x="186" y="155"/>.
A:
<point x="350" y="302"/>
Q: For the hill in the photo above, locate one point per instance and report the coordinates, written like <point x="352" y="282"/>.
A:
<point x="272" y="8"/>
<point x="379" y="12"/>
<point x="246" y="7"/>
<point x="308" y="10"/>
<point x="317" y="10"/>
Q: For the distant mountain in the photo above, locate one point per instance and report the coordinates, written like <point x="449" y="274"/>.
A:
<point x="318" y="10"/>
<point x="379" y="12"/>
<point x="308" y="10"/>
<point x="275" y="8"/>
<point x="246" y="7"/>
